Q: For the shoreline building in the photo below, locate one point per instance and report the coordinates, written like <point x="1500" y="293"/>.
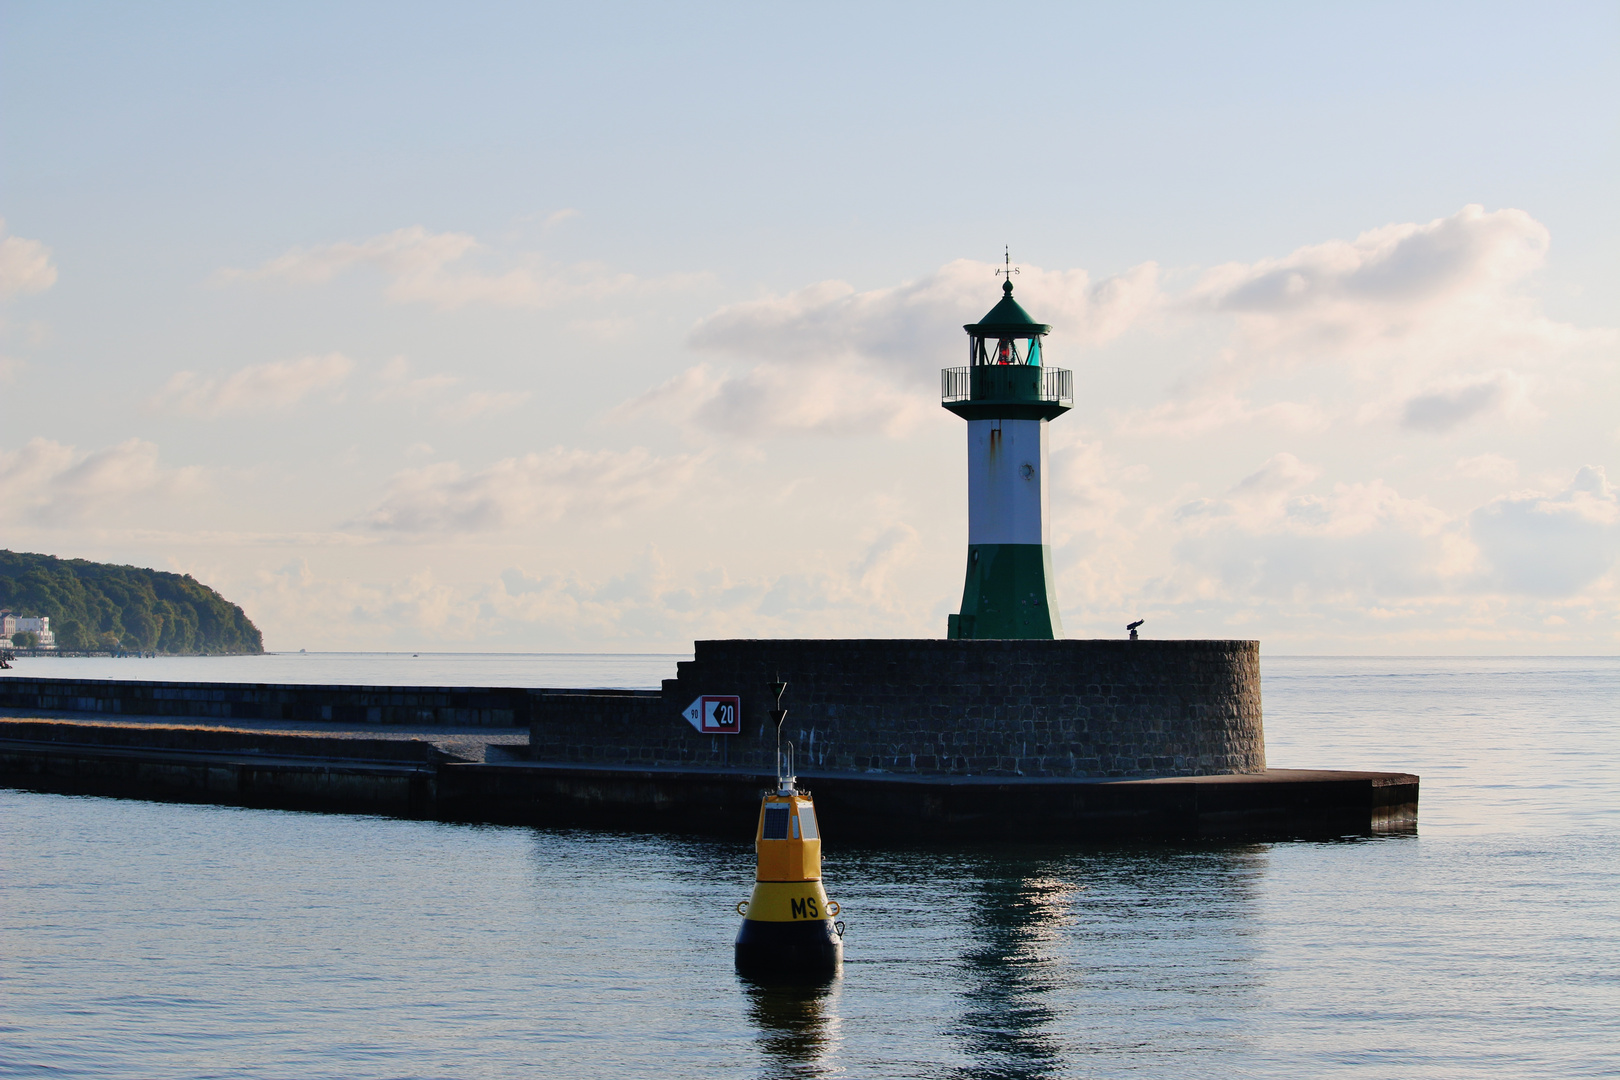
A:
<point x="1007" y="396"/>
<point x="39" y="626"/>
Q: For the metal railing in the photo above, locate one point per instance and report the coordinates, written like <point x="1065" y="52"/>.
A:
<point x="1007" y="382"/>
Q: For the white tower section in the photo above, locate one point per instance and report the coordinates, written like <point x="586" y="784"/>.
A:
<point x="1007" y="482"/>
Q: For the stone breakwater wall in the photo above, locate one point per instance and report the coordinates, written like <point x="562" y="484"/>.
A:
<point x="480" y="707"/>
<point x="936" y="707"/>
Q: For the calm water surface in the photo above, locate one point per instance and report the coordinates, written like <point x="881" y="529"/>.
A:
<point x="145" y="940"/>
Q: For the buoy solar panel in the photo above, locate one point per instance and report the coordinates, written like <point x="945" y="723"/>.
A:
<point x="788" y="929"/>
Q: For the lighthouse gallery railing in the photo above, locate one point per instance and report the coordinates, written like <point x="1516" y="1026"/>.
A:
<point x="1007" y="382"/>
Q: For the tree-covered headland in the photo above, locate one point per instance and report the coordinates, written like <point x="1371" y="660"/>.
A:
<point x="95" y="606"/>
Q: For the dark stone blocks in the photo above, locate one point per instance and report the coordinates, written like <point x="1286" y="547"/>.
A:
<point x="937" y="707"/>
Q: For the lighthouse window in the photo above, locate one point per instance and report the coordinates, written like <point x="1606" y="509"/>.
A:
<point x="807" y="821"/>
<point x="776" y="823"/>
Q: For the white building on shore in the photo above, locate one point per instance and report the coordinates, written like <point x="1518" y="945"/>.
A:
<point x="39" y="626"/>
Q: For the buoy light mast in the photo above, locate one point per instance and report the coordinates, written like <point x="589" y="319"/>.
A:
<point x="1007" y="396"/>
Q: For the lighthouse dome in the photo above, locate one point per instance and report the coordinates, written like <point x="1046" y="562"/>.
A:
<point x="1007" y="319"/>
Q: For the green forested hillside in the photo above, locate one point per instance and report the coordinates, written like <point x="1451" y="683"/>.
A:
<point x="100" y="606"/>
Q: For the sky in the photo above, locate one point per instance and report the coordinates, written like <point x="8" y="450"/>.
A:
<point x="522" y="327"/>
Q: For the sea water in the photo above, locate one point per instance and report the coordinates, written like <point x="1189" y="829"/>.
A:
<point x="146" y="940"/>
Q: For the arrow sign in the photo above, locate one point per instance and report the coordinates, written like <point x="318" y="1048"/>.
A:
<point x="715" y="714"/>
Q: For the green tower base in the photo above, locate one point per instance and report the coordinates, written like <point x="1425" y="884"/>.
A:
<point x="1008" y="594"/>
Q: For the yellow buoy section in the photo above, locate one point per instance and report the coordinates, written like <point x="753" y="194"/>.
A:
<point x="788" y="927"/>
<point x="787" y="883"/>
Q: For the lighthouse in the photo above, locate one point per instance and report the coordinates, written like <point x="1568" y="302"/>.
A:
<point x="1007" y="396"/>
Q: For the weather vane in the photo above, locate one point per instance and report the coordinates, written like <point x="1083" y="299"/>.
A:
<point x="1011" y="269"/>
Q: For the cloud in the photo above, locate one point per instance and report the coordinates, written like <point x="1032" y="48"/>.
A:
<point x="268" y="387"/>
<point x="406" y="255"/>
<point x="1358" y="544"/>
<point x="48" y="482"/>
<point x="1431" y="326"/>
<point x="894" y="547"/>
<point x="777" y="400"/>
<point x="1260" y="496"/>
<point x="1186" y="418"/>
<point x="1386" y="283"/>
<point x="1366" y="560"/>
<point x="644" y="603"/>
<point x="422" y="267"/>
<point x="534" y="488"/>
<point x="25" y="265"/>
<point x="1442" y="405"/>
<point x="649" y="602"/>
<point x="1458" y="401"/>
<point x="1487" y="467"/>
<point x="908" y="327"/>
<point x="295" y="605"/>
<point x="829" y="360"/>
<point x="1551" y="545"/>
<point x="1281" y="474"/>
<point x="483" y="403"/>
<point x="397" y="385"/>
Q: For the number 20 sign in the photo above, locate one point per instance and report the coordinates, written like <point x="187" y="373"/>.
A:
<point x="716" y="714"/>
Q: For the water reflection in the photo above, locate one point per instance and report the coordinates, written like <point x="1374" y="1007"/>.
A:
<point x="797" y="1025"/>
<point x="1018" y="962"/>
<point x="1052" y="938"/>
<point x="1006" y="1023"/>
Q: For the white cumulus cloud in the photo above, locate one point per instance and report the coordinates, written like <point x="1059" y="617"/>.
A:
<point x="25" y="265"/>
<point x="540" y="487"/>
<point x="1458" y="401"/>
<point x="1358" y="543"/>
<point x="909" y="328"/>
<point x="300" y="608"/>
<point x="1386" y="283"/>
<point x="48" y="482"/>
<point x="1190" y="417"/>
<point x="1424" y="326"/>
<point x="279" y="384"/>
<point x="396" y="383"/>
<point x="423" y="267"/>
<point x="839" y="398"/>
<point x="483" y="403"/>
<point x="828" y="359"/>
<point x="1551" y="545"/>
<point x="1487" y="467"/>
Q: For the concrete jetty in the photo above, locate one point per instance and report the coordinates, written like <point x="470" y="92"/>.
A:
<point x="907" y="740"/>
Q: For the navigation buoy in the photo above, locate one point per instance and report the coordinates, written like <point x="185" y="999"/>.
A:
<point x="789" y="927"/>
